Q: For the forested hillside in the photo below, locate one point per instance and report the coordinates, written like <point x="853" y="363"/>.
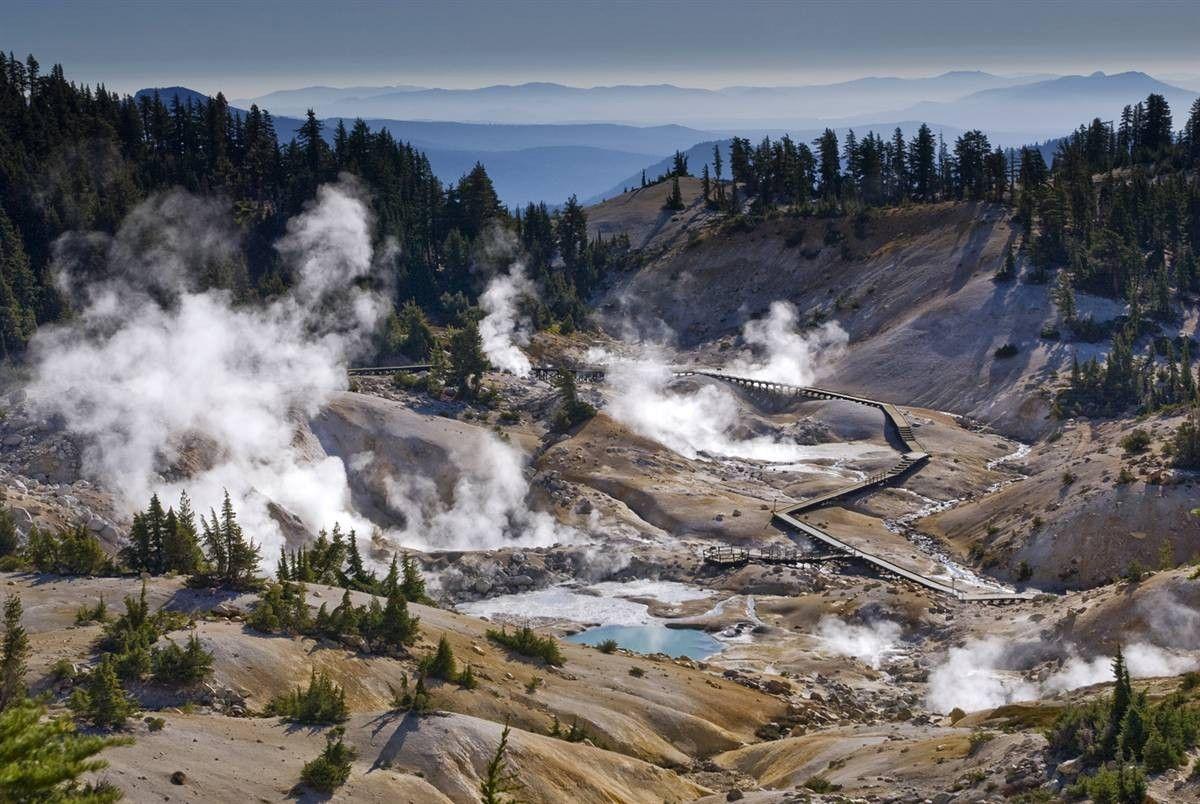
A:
<point x="80" y="158"/>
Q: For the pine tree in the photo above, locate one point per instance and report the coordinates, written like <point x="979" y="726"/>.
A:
<point x="105" y="703"/>
<point x="441" y="664"/>
<point x="467" y="360"/>
<point x="232" y="558"/>
<point x="13" y="655"/>
<point x="398" y="628"/>
<point x="42" y="759"/>
<point x="413" y="585"/>
<point x="10" y="540"/>
<point x="674" y="200"/>
<point x="181" y="546"/>
<point x="1064" y="297"/>
<point x="391" y="582"/>
<point x="499" y="783"/>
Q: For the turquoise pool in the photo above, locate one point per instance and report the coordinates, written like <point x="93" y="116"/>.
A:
<point x="652" y="639"/>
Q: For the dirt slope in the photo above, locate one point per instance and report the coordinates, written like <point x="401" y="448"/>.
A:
<point x="912" y="287"/>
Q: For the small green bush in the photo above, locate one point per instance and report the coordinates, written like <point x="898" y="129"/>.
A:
<point x="331" y="768"/>
<point x="527" y="643"/>
<point x="322" y="702"/>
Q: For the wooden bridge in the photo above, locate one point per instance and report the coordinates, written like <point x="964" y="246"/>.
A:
<point x="725" y="556"/>
<point x="912" y="456"/>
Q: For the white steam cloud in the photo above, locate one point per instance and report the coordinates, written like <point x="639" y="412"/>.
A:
<point x="503" y="329"/>
<point x="706" y="420"/>
<point x="871" y="643"/>
<point x="156" y="373"/>
<point x="975" y="676"/>
<point x="783" y="354"/>
<point x="487" y="508"/>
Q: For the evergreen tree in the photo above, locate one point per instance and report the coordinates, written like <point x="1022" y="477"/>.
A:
<point x="499" y="783"/>
<point x="441" y="664"/>
<point x="412" y="587"/>
<point x="331" y="769"/>
<point x="13" y="654"/>
<point x="104" y="703"/>
<point x="467" y="360"/>
<point x="42" y="759"/>
<point x="674" y="200"/>
<point x="10" y="540"/>
<point x="232" y="558"/>
<point x="398" y="628"/>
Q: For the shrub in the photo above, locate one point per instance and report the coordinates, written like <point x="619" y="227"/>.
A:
<point x="527" y="643"/>
<point x="92" y="614"/>
<point x="1125" y="476"/>
<point x="404" y="700"/>
<point x="534" y="684"/>
<point x="1005" y="351"/>
<point x="819" y="784"/>
<point x="331" y="768"/>
<point x="1136" y="442"/>
<point x="957" y="714"/>
<point x="154" y="723"/>
<point x="322" y="702"/>
<point x="175" y="665"/>
<point x="978" y="740"/>
<point x="72" y="551"/>
<point x="607" y="646"/>
<point x="636" y="672"/>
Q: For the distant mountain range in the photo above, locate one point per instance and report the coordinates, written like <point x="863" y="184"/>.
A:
<point x="637" y="104"/>
<point x="1051" y="107"/>
<point x="542" y="161"/>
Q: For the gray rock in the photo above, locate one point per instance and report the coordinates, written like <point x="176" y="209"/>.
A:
<point x="96" y="524"/>
<point x="13" y="440"/>
<point x="521" y="580"/>
<point x="482" y="586"/>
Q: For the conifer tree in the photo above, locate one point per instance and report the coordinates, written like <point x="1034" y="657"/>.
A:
<point x="42" y="759"/>
<point x="104" y="703"/>
<point x="441" y="664"/>
<point x="413" y="585"/>
<point x="391" y="582"/>
<point x="467" y="360"/>
<point x="499" y="783"/>
<point x="13" y="655"/>
<point x="398" y="627"/>
<point x="10" y="541"/>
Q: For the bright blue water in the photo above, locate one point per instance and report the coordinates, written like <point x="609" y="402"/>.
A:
<point x="652" y="639"/>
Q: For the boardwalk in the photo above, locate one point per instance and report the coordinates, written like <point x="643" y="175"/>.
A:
<point x="912" y="456"/>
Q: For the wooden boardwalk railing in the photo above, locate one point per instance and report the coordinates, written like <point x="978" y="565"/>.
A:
<point x="912" y="457"/>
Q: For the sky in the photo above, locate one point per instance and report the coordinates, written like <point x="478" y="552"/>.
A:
<point x="246" y="49"/>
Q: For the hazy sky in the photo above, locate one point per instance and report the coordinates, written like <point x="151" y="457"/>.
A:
<point x="247" y="48"/>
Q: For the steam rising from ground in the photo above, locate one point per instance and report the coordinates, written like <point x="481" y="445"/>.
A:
<point x="704" y="420"/>
<point x="977" y="676"/>
<point x="871" y="644"/>
<point x="486" y="510"/>
<point x="781" y="353"/>
<point x="503" y="329"/>
<point x="156" y="372"/>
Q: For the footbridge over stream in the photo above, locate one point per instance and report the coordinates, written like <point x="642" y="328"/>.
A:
<point x="913" y="455"/>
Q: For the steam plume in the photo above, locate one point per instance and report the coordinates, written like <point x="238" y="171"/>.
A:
<point x="157" y="372"/>
<point x="503" y="330"/>
<point x="781" y="353"/>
